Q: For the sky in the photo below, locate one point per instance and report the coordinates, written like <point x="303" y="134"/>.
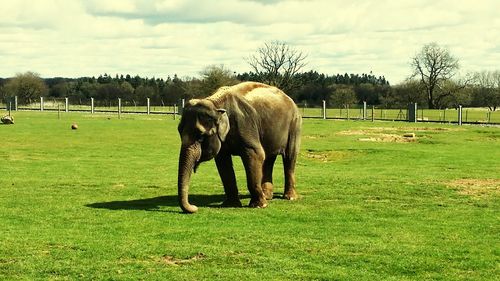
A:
<point x="159" y="38"/>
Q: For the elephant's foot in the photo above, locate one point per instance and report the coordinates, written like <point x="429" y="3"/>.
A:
<point x="291" y="194"/>
<point x="255" y="203"/>
<point x="231" y="203"/>
<point x="267" y="189"/>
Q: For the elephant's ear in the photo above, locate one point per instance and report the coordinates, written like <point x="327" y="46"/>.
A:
<point x="192" y="102"/>
<point x="222" y="124"/>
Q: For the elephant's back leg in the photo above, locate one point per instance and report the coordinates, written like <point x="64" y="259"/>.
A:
<point x="290" y="158"/>
<point x="267" y="176"/>
<point x="289" y="168"/>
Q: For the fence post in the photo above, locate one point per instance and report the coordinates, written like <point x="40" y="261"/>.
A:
<point x="459" y="115"/>
<point x="92" y="105"/>
<point x="15" y="103"/>
<point x="364" y="110"/>
<point x="119" y="108"/>
<point x="412" y="112"/>
<point x="324" y="109"/>
<point x="148" y="106"/>
<point x="175" y="110"/>
<point x="180" y="109"/>
<point x="41" y="103"/>
<point x="373" y="113"/>
<point x="347" y="112"/>
<point x="66" y="104"/>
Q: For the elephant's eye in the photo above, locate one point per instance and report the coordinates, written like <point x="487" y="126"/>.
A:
<point x="200" y="137"/>
<point x="208" y="121"/>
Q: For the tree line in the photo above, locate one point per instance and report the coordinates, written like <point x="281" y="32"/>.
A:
<point x="106" y="89"/>
<point x="432" y="84"/>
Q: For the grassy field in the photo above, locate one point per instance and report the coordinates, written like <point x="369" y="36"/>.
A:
<point x="100" y="203"/>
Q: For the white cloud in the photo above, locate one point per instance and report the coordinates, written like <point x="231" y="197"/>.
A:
<point x="160" y="38"/>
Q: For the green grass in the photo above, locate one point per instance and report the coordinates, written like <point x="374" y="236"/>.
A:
<point x="99" y="203"/>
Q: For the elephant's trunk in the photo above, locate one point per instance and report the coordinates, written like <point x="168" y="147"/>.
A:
<point x="188" y="158"/>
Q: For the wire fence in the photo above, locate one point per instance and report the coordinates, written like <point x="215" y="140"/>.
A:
<point x="90" y="105"/>
<point x="469" y="115"/>
<point x="354" y="112"/>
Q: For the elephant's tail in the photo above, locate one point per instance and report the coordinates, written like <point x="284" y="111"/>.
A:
<point x="293" y="145"/>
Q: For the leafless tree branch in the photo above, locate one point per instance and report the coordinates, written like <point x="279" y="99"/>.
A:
<point x="277" y="63"/>
<point x="433" y="65"/>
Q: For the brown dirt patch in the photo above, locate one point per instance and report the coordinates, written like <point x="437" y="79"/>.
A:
<point x="327" y="156"/>
<point x="384" y="130"/>
<point x="476" y="187"/>
<point x="355" y="132"/>
<point x="389" y="138"/>
<point x="313" y="137"/>
<point x="165" y="260"/>
<point x="389" y="134"/>
<point x="169" y="260"/>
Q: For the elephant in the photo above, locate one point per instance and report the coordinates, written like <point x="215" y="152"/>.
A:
<point x="252" y="120"/>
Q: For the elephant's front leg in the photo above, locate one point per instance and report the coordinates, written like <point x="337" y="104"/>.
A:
<point x="226" y="171"/>
<point x="253" y="160"/>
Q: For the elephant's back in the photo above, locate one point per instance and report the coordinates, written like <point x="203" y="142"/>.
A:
<point x="255" y="93"/>
<point x="224" y="93"/>
<point x="264" y="97"/>
<point x="277" y="115"/>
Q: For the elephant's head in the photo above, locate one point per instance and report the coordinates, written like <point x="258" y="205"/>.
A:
<point x="203" y="129"/>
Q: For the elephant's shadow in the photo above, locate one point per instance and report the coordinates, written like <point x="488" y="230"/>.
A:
<point x="155" y="203"/>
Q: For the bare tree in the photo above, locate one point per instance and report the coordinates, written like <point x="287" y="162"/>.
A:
<point x="215" y="76"/>
<point x="487" y="89"/>
<point x="433" y="64"/>
<point x="408" y="91"/>
<point x="27" y="86"/>
<point x="343" y="96"/>
<point x="276" y="63"/>
<point x="454" y="92"/>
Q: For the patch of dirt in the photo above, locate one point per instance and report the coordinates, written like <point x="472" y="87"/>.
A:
<point x="169" y="260"/>
<point x="313" y="137"/>
<point x="389" y="138"/>
<point x="353" y="132"/>
<point x="476" y="187"/>
<point x="381" y="130"/>
<point x="386" y="134"/>
<point x="327" y="156"/>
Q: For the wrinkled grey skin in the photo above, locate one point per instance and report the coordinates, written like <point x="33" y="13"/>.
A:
<point x="252" y="120"/>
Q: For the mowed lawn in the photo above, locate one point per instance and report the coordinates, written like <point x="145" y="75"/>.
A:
<point x="100" y="203"/>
